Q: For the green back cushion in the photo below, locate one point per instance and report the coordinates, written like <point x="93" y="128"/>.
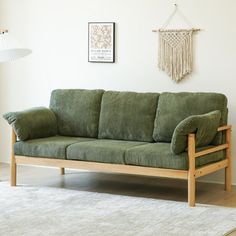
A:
<point x="77" y="111"/>
<point x="39" y="122"/>
<point x="204" y="126"/>
<point x="128" y="115"/>
<point x="175" y="107"/>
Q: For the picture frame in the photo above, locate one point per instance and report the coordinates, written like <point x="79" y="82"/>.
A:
<point x="101" y="42"/>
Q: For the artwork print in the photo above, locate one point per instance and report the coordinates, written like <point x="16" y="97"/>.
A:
<point x="101" y="42"/>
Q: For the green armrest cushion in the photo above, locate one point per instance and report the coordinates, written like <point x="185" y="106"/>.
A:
<point x="204" y="126"/>
<point x="39" y="122"/>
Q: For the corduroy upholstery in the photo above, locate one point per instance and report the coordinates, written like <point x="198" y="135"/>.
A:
<point x="38" y="122"/>
<point x="145" y="129"/>
<point x="175" y="107"/>
<point x="53" y="147"/>
<point x="128" y="116"/>
<point x="160" y="155"/>
<point x="77" y="111"/>
<point x="103" y="150"/>
<point x="204" y="126"/>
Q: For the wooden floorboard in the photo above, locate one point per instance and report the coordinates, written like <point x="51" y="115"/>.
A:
<point x="122" y="184"/>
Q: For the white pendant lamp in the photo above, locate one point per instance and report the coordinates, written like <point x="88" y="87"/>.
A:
<point x="10" y="49"/>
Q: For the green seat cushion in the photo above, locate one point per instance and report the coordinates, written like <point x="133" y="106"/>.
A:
<point x="127" y="116"/>
<point x="107" y="151"/>
<point x="38" y="122"/>
<point x="159" y="155"/>
<point x="77" y="111"/>
<point x="52" y="147"/>
<point x="174" y="107"/>
<point x="205" y="126"/>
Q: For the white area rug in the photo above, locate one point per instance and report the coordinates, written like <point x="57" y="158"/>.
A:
<point x="26" y="210"/>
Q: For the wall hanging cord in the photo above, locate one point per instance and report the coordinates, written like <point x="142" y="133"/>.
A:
<point x="176" y="11"/>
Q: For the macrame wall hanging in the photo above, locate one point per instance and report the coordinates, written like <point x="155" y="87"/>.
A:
<point x="175" y="54"/>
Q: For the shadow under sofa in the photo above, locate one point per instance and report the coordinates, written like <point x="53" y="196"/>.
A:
<point x="173" y="135"/>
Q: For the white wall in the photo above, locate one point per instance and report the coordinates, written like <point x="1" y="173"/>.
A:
<point x="56" y="31"/>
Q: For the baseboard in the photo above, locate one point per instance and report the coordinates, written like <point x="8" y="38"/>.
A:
<point x="214" y="182"/>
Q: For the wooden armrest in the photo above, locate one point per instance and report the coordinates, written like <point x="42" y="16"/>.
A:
<point x="194" y="172"/>
<point x="191" y="142"/>
<point x="224" y="127"/>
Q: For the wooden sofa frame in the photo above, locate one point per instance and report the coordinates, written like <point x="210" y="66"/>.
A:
<point x="191" y="175"/>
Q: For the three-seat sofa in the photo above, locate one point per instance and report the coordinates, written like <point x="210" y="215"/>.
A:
<point x="175" y="135"/>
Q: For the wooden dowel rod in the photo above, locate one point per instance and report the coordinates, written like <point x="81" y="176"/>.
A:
<point x="211" y="150"/>
<point x="224" y="128"/>
<point x="158" y="30"/>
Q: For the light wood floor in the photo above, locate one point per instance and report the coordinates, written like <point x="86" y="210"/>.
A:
<point x="129" y="185"/>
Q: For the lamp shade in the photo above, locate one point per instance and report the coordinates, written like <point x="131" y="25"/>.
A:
<point x="10" y="49"/>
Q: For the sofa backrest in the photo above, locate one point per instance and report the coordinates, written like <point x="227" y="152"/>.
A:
<point x="77" y="111"/>
<point x="174" y="107"/>
<point x="134" y="116"/>
<point x="128" y="115"/>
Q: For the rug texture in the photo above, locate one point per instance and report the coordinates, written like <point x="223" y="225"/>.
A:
<point x="26" y="210"/>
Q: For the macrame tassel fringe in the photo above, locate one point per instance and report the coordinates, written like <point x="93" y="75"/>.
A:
<point x="175" y="53"/>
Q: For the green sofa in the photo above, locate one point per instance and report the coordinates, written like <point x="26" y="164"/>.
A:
<point x="176" y="135"/>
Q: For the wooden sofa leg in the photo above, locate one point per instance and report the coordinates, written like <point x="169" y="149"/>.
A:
<point x="13" y="160"/>
<point x="62" y="171"/>
<point x="191" y="190"/>
<point x="228" y="169"/>
<point x="191" y="171"/>
<point x="228" y="179"/>
<point x="13" y="173"/>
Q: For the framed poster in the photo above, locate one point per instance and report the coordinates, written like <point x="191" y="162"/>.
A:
<point x="101" y="42"/>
